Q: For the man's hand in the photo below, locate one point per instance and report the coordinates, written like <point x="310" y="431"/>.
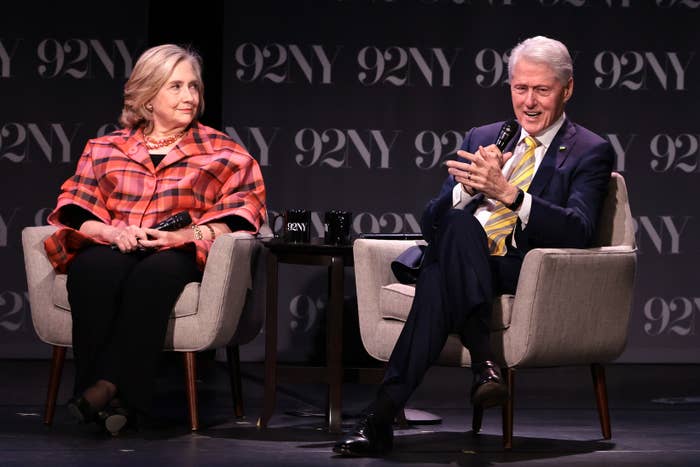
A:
<point x="484" y="173"/>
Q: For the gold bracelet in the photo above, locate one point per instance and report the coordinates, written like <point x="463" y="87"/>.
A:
<point x="211" y="229"/>
<point x="197" y="232"/>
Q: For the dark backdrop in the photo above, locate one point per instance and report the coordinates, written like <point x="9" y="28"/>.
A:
<point x="353" y="105"/>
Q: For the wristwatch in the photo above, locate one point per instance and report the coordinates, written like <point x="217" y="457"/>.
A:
<point x="518" y="200"/>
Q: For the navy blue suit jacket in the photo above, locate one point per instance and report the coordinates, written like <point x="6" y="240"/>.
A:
<point x="567" y="190"/>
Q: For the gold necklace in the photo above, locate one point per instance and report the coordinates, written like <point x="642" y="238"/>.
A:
<point x="160" y="143"/>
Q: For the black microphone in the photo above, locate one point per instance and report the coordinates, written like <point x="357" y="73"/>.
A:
<point x="174" y="222"/>
<point x="506" y="134"/>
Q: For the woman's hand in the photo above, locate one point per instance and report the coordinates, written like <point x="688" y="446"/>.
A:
<point x="162" y="238"/>
<point x="126" y="239"/>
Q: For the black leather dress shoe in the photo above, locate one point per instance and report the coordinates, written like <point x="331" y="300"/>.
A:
<point x="369" y="437"/>
<point x="488" y="389"/>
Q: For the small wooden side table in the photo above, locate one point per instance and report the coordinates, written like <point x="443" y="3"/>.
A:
<point x="336" y="258"/>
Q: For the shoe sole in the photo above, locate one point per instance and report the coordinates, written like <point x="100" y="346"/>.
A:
<point x="344" y="451"/>
<point x="490" y="394"/>
<point x="114" y="423"/>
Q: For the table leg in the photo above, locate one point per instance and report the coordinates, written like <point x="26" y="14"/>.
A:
<point x="270" y="342"/>
<point x="334" y="344"/>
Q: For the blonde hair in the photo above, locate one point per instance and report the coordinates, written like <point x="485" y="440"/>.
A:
<point x="151" y="72"/>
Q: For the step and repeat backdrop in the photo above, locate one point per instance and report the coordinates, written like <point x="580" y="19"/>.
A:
<point x="62" y="74"/>
<point x="353" y="105"/>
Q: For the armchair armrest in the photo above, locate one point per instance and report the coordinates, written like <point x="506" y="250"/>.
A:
<point x="40" y="280"/>
<point x="253" y="314"/>
<point x="373" y="271"/>
<point x="227" y="278"/>
<point x="576" y="301"/>
<point x="392" y="236"/>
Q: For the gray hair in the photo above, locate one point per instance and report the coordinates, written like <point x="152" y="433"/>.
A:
<point x="540" y="49"/>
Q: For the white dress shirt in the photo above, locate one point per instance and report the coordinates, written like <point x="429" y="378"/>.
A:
<point x="460" y="198"/>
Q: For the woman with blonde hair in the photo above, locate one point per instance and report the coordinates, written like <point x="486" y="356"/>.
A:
<point x="124" y="276"/>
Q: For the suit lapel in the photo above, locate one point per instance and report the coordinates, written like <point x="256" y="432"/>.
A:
<point x="510" y="147"/>
<point x="556" y="154"/>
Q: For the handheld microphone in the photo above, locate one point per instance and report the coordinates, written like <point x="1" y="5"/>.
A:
<point x="174" y="222"/>
<point x="506" y="134"/>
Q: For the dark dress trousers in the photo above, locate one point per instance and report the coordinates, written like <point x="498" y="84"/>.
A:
<point x="458" y="277"/>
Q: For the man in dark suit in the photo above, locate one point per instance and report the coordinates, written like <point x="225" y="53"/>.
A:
<point x="545" y="190"/>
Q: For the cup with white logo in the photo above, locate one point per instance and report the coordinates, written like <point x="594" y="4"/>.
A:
<point x="296" y="225"/>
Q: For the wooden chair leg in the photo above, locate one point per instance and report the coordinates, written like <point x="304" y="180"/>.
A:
<point x="601" y="396"/>
<point x="509" y="375"/>
<point x="234" y="372"/>
<point x="190" y="361"/>
<point x="57" y="360"/>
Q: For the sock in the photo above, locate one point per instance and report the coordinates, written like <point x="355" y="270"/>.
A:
<point x="383" y="407"/>
<point x="476" y="336"/>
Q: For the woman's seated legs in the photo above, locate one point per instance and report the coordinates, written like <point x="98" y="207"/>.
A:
<point x="94" y="284"/>
<point x="120" y="305"/>
<point x="148" y="297"/>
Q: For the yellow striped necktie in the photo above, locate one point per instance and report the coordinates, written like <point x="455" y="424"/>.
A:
<point x="502" y="220"/>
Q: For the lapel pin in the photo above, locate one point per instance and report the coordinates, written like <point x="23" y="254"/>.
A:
<point x="562" y="148"/>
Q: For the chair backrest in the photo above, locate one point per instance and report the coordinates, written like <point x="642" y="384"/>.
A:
<point x="615" y="226"/>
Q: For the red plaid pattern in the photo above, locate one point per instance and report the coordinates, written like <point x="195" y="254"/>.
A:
<point x="206" y="174"/>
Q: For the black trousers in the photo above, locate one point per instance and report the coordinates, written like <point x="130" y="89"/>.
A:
<point x="120" y="304"/>
<point x="454" y="294"/>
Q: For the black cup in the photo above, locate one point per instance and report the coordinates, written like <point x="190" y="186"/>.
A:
<point x="296" y="225"/>
<point x="337" y="227"/>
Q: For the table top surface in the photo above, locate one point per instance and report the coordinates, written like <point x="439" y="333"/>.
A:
<point x="315" y="247"/>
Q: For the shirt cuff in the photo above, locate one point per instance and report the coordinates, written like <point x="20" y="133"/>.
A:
<point x="524" y="211"/>
<point x="460" y="198"/>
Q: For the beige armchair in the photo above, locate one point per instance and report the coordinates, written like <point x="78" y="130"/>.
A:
<point x="571" y="306"/>
<point x="221" y="310"/>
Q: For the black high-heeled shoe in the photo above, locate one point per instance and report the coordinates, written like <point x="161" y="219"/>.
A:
<point x="109" y="419"/>
<point x="81" y="410"/>
<point x="112" y="420"/>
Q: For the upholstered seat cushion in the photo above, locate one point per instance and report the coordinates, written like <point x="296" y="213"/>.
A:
<point x="186" y="304"/>
<point x="395" y="303"/>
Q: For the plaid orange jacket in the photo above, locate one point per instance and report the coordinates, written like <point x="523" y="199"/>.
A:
<point x="206" y="174"/>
